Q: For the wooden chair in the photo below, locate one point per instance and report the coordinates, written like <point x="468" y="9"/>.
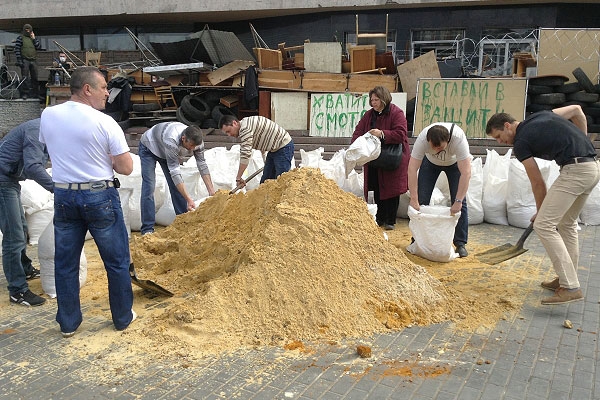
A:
<point x="164" y="96"/>
<point x="92" y="58"/>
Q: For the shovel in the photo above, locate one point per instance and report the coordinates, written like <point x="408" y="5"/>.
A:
<point x="146" y="284"/>
<point x="238" y="187"/>
<point x="506" y="251"/>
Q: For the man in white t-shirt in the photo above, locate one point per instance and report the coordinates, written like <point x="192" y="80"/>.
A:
<point x="87" y="147"/>
<point x="442" y="147"/>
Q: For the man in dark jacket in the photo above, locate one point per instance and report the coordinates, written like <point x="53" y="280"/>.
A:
<point x="26" y="47"/>
<point x="22" y="156"/>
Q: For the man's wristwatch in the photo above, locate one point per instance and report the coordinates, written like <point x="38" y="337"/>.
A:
<point x="458" y="201"/>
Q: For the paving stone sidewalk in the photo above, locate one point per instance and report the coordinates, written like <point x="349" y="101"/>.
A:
<point x="528" y="356"/>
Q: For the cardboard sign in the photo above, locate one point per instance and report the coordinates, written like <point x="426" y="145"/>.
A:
<point x="469" y="103"/>
<point x="337" y="114"/>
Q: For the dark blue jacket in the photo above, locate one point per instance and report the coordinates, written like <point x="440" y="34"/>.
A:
<point x="23" y="156"/>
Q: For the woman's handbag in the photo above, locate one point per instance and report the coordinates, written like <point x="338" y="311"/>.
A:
<point x="389" y="158"/>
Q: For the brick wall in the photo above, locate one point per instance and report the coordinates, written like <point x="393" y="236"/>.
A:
<point x="15" y="112"/>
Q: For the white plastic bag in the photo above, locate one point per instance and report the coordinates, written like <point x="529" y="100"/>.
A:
<point x="432" y="227"/>
<point x="364" y="149"/>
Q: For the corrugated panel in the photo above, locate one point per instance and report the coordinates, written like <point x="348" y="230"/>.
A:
<point x="209" y="46"/>
<point x="223" y="47"/>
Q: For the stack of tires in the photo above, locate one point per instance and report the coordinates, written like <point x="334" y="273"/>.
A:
<point x="548" y="92"/>
<point x="203" y="110"/>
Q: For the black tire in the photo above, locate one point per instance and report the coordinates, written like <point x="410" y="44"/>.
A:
<point x="124" y="124"/>
<point x="220" y="110"/>
<point x="583" y="80"/>
<point x="550" y="80"/>
<point x="533" y="108"/>
<point x="212" y="98"/>
<point x="538" y="89"/>
<point x="195" y="108"/>
<point x="593" y="111"/>
<point x="209" y="123"/>
<point x="593" y="128"/>
<point x="584" y="97"/>
<point x="574" y="103"/>
<point x="550" y="98"/>
<point x="568" y="88"/>
<point x="183" y="118"/>
<point x="145" y="107"/>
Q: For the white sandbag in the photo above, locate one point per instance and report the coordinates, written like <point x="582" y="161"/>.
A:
<point x="475" y="192"/>
<point x="335" y="168"/>
<point x="364" y="149"/>
<point x="403" y="205"/>
<point x="124" y="196"/>
<point x="432" y="227"/>
<point x="520" y="203"/>
<point x="311" y="158"/>
<point x="46" y="259"/>
<point x="438" y="198"/>
<point x="33" y="196"/>
<point x="37" y="222"/>
<point x="355" y="183"/>
<point x="590" y="214"/>
<point x="442" y="188"/>
<point x="495" y="178"/>
<point x="134" y="181"/>
<point x="165" y="215"/>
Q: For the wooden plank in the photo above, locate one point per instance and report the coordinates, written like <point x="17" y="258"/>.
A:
<point x="362" y="83"/>
<point x="229" y="101"/>
<point x="410" y="72"/>
<point x="228" y="70"/>
<point x="362" y="58"/>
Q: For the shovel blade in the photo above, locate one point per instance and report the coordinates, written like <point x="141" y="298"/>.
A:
<point x="504" y="254"/>
<point x="146" y="284"/>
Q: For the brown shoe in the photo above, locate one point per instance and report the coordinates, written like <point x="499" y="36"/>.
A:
<point x="563" y="296"/>
<point x="551" y="285"/>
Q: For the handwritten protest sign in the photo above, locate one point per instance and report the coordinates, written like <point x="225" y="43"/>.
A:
<point x="468" y="103"/>
<point x="337" y="114"/>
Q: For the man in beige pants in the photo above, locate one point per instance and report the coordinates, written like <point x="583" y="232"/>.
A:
<point x="559" y="135"/>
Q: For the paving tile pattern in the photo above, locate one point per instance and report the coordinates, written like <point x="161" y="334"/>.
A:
<point x="528" y="356"/>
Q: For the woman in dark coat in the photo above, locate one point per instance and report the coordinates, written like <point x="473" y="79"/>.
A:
<point x="386" y="121"/>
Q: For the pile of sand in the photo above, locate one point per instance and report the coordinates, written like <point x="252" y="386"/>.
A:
<point x="296" y="259"/>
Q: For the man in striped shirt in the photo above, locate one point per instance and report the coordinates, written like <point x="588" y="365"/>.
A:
<point x="262" y="134"/>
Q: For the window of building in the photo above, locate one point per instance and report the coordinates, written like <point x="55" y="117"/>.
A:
<point x="497" y="49"/>
<point x="446" y="43"/>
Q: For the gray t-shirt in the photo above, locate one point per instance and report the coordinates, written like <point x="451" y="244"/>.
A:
<point x="457" y="149"/>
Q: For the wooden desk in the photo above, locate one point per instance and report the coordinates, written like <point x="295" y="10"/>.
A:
<point x="57" y="94"/>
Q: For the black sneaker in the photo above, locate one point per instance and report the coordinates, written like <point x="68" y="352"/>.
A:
<point x="27" y="298"/>
<point x="35" y="273"/>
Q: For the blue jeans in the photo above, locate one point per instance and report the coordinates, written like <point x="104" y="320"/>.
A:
<point x="13" y="225"/>
<point x="278" y="162"/>
<point x="99" y="211"/>
<point x="428" y="175"/>
<point x="147" y="207"/>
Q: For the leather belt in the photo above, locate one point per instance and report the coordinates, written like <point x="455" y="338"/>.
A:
<point x="94" y="185"/>
<point x="578" y="160"/>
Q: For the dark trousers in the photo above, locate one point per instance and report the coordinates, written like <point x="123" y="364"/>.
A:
<point x="29" y="76"/>
<point x="428" y="175"/>
<point x="387" y="209"/>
